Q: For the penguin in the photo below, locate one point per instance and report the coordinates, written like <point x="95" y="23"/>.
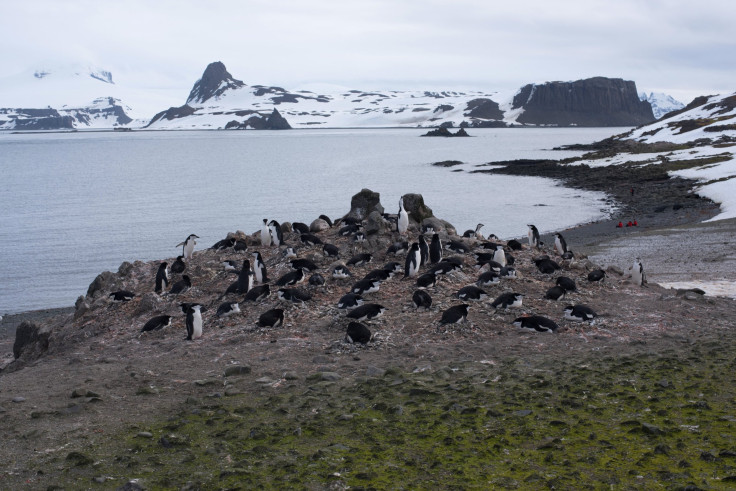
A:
<point x="445" y="267"/>
<point x="533" y="235"/>
<point x="499" y="256"/>
<point x="223" y="244"/>
<point x="560" y="244"/>
<point x="474" y="233"/>
<point x="358" y="333"/>
<point x="427" y="280"/>
<point x="290" y="252"/>
<point x="349" y="229"/>
<point x="350" y="220"/>
<point x="156" y="323"/>
<point x="402" y="224"/>
<point x="277" y="237"/>
<point x="423" y="250"/>
<point x="330" y="250"/>
<point x="488" y="278"/>
<point x="428" y="229"/>
<point x="508" y="301"/>
<point x="229" y="265"/>
<point x="596" y="275"/>
<point x="507" y="272"/>
<point x="122" y="296"/>
<point x="294" y="295"/>
<point x="257" y="293"/>
<point x="305" y="264"/>
<point x="271" y="318"/>
<point x="397" y="248"/>
<point x="349" y="301"/>
<point x="326" y="219"/>
<point x="435" y="249"/>
<point x="637" y="273"/>
<point x="228" y="308"/>
<point x="188" y="246"/>
<point x="179" y="265"/>
<point x="316" y="280"/>
<point x="366" y="286"/>
<point x="340" y="272"/>
<point x="579" y="313"/>
<point x="367" y="312"/>
<point x="455" y="314"/>
<point x="194" y="322"/>
<point x="360" y="259"/>
<point x="514" y="245"/>
<point x="555" y="293"/>
<point x="492" y="265"/>
<point x="471" y="292"/>
<point x="421" y="298"/>
<point x="535" y="323"/>
<point x="181" y="286"/>
<point x="259" y="268"/>
<point x="244" y="282"/>
<point x="545" y="265"/>
<point x="413" y="261"/>
<point x="457" y="246"/>
<point x="162" y="277"/>
<point x="310" y="239"/>
<point x="291" y="278"/>
<point x="240" y="246"/>
<point x="300" y="228"/>
<point x="393" y="267"/>
<point x="379" y="275"/>
<point x="359" y="237"/>
<point x="567" y="283"/>
<point x="265" y="234"/>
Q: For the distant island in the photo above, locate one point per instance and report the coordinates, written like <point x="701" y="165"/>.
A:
<point x="443" y="131"/>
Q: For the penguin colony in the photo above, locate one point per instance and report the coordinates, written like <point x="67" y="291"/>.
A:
<point x="277" y="273"/>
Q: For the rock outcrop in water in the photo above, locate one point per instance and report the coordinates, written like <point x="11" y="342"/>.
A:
<point x="597" y="101"/>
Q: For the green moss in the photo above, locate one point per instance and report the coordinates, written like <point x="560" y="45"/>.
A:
<point x="647" y="422"/>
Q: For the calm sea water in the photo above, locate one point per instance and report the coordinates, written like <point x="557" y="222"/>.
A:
<point x="74" y="205"/>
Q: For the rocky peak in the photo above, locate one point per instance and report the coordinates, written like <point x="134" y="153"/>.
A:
<point x="214" y="82"/>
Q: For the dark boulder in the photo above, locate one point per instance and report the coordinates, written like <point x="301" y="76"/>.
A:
<point x="364" y="203"/>
<point x="415" y="207"/>
<point x="30" y="340"/>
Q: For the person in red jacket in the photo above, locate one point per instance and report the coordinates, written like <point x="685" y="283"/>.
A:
<point x="620" y="225"/>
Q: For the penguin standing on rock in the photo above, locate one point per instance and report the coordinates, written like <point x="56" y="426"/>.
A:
<point x="533" y="236"/>
<point x="277" y="237"/>
<point x="259" y="268"/>
<point x="500" y="256"/>
<point x="162" y="277"/>
<point x="560" y="244"/>
<point x="194" y="322"/>
<point x="188" y="246"/>
<point x="637" y="273"/>
<point x="413" y="261"/>
<point x="423" y="250"/>
<point x="265" y="234"/>
<point x="435" y="249"/>
<point x="402" y="223"/>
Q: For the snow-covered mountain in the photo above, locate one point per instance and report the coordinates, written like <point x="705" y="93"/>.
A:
<point x="707" y="119"/>
<point x="661" y="103"/>
<point x="218" y="101"/>
<point x="102" y="113"/>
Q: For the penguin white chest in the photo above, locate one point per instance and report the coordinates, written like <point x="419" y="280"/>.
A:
<point x="500" y="257"/>
<point x="196" y="324"/>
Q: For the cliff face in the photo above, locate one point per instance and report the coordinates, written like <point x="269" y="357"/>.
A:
<point x="597" y="101"/>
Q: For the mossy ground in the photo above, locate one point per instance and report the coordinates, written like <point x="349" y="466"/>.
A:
<point x="659" y="421"/>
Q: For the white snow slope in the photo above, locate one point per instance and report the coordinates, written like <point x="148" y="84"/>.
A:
<point x="707" y="130"/>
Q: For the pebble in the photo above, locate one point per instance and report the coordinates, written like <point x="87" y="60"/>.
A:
<point x="330" y="376"/>
<point x="372" y="371"/>
<point x="145" y="434"/>
<point x="237" y="370"/>
<point x="19" y="399"/>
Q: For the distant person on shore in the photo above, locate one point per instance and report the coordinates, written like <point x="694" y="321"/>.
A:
<point x="620" y="225"/>
<point x="632" y="191"/>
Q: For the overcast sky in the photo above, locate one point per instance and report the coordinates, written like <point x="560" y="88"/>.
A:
<point x="684" y="48"/>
